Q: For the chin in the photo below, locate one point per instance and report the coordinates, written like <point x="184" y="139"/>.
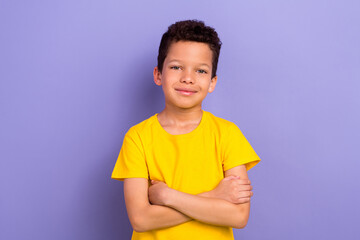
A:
<point x="188" y="106"/>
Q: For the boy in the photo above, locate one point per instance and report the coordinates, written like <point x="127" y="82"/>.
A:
<point x="184" y="170"/>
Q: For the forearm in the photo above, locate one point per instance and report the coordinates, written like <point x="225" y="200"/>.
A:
<point x="210" y="210"/>
<point x="155" y="217"/>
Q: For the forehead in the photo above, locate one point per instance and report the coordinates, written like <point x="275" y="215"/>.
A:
<point x="189" y="51"/>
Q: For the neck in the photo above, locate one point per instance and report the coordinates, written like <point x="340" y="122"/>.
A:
<point x="180" y="116"/>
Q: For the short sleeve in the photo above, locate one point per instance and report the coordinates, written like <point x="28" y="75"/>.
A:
<point x="131" y="161"/>
<point x="237" y="150"/>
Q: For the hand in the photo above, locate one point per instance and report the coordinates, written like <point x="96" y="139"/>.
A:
<point x="158" y="192"/>
<point x="233" y="189"/>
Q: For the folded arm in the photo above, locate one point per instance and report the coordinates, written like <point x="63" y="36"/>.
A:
<point x="222" y="206"/>
<point x="144" y="216"/>
<point x="209" y="210"/>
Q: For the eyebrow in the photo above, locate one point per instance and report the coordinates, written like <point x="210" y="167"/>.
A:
<point x="201" y="64"/>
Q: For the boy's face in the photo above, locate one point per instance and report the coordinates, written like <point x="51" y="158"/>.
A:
<point x="186" y="75"/>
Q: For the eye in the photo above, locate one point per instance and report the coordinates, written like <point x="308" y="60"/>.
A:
<point x="175" y="67"/>
<point x="202" y="71"/>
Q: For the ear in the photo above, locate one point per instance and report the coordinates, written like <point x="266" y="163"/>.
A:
<point x="157" y="76"/>
<point x="213" y="82"/>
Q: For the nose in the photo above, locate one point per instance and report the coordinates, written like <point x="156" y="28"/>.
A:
<point x="187" y="77"/>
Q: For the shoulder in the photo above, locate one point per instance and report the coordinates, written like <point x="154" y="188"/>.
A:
<point x="142" y="127"/>
<point x="221" y="124"/>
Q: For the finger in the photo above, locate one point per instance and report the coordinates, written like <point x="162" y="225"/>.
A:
<point x="245" y="188"/>
<point x="244" y="200"/>
<point x="248" y="194"/>
<point x="247" y="200"/>
<point x="243" y="181"/>
<point x="245" y="194"/>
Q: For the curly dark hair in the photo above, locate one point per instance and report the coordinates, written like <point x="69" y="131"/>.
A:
<point x="190" y="30"/>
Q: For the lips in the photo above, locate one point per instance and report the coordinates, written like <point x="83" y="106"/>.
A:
<point x="186" y="91"/>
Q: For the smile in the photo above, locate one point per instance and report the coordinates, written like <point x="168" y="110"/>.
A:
<point x="185" y="92"/>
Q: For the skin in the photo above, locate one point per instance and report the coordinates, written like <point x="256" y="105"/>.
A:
<point x="186" y="81"/>
<point x="187" y="66"/>
<point x="214" y="209"/>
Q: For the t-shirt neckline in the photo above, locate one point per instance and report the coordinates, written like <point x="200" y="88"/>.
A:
<point x="184" y="135"/>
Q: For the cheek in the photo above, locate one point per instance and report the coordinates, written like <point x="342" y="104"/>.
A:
<point x="206" y="83"/>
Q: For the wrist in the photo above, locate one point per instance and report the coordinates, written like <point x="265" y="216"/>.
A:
<point x="208" y="194"/>
<point x="169" y="196"/>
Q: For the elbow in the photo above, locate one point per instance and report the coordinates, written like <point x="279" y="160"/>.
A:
<point x="138" y="225"/>
<point x="139" y="229"/>
<point x="140" y="219"/>
<point x="242" y="218"/>
<point x="240" y="224"/>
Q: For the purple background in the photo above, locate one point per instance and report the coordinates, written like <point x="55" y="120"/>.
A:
<point x="75" y="75"/>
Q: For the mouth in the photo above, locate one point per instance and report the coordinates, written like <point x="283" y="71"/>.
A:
<point x="186" y="92"/>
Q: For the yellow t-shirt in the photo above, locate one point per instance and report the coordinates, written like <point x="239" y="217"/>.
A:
<point x="192" y="163"/>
